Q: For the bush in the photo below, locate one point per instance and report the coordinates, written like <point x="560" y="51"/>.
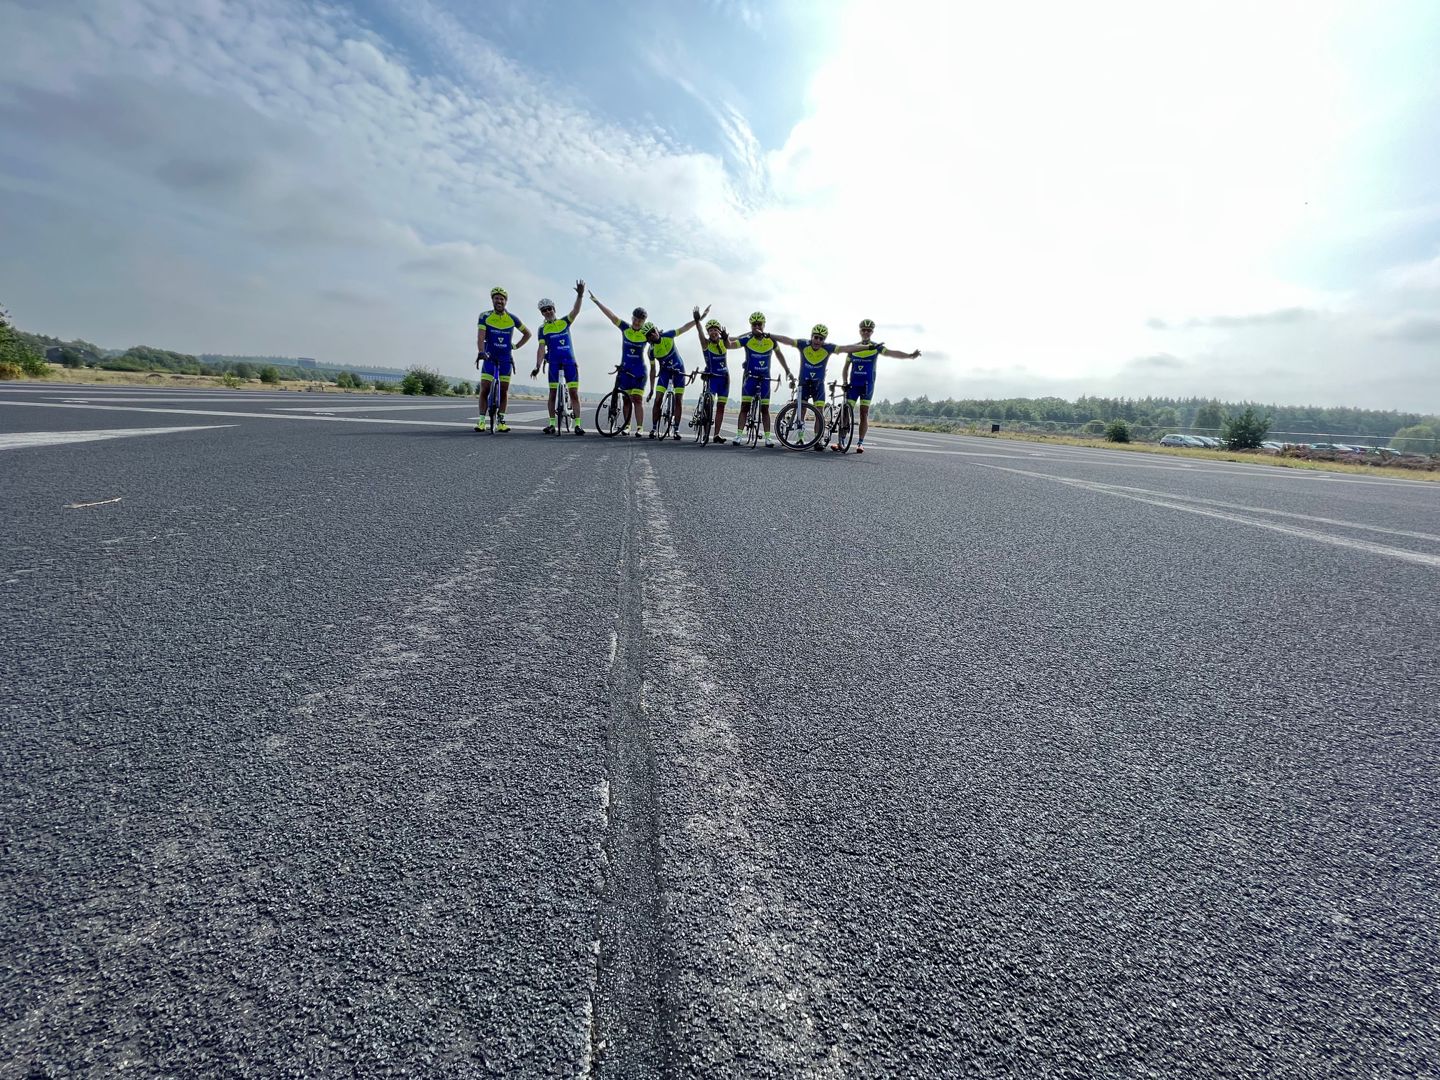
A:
<point x="348" y="380"/>
<point x="420" y="380"/>
<point x="463" y="388"/>
<point x="1117" y="431"/>
<point x="1094" y="427"/>
<point x="270" y="374"/>
<point x="122" y="363"/>
<point x="1245" y="431"/>
<point x="244" y="371"/>
<point x="33" y="364"/>
<point x="9" y="370"/>
<point x="1416" y="439"/>
<point x="230" y="379"/>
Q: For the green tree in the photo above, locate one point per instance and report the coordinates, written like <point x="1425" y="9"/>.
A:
<point x="270" y="374"/>
<point x="412" y="383"/>
<point x="1117" y="431"/>
<point x="18" y="354"/>
<point x="463" y="388"/>
<point x="1417" y="439"/>
<point x="1245" y="431"/>
<point x="1210" y="417"/>
<point x="244" y="371"/>
<point x="1093" y="427"/>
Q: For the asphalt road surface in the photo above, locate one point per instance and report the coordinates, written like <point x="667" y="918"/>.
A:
<point x="339" y="739"/>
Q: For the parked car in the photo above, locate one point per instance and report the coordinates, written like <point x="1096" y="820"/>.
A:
<point x="1209" y="441"/>
<point x="1175" y="440"/>
<point x="1271" y="444"/>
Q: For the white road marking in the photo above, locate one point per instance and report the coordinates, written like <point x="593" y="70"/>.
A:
<point x="1277" y="513"/>
<point x="1420" y="558"/>
<point x="22" y="440"/>
<point x="97" y="502"/>
<point x="248" y="415"/>
<point x="456" y="404"/>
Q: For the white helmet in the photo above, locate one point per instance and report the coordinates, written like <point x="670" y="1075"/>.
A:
<point x="547" y="302"/>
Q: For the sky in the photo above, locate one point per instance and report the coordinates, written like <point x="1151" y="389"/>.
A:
<point x="1230" y="200"/>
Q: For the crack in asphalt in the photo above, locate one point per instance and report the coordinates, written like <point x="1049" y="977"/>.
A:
<point x="627" y="1027"/>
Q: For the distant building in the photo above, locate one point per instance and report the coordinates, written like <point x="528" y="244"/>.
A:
<point x="307" y="362"/>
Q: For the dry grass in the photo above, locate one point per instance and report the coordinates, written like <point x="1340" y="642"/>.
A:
<point x="1239" y="456"/>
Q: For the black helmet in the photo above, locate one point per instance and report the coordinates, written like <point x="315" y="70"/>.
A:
<point x="640" y="313"/>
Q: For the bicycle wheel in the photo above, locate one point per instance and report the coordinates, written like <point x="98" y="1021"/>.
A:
<point x="609" y="417"/>
<point x="845" y="429"/>
<point x="788" y="430"/>
<point x="701" y="419"/>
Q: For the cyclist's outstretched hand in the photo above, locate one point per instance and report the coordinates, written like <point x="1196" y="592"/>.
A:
<point x="702" y="314"/>
<point x="580" y="287"/>
<point x="915" y="354"/>
<point x="695" y="311"/>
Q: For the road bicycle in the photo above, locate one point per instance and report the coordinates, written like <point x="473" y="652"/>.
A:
<point x="703" y="418"/>
<point x="610" y="414"/>
<point x="753" y="428"/>
<point x="839" y="421"/>
<point x="489" y="415"/>
<point x="669" y="412"/>
<point x="800" y="424"/>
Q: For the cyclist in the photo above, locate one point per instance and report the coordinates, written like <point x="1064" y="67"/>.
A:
<point x="671" y="370"/>
<point x="555" y="345"/>
<point x="493" y="337"/>
<point x="631" y="383"/>
<point x="859" y="374"/>
<point x="755" y="390"/>
<point x="814" y="355"/>
<point x="717" y="372"/>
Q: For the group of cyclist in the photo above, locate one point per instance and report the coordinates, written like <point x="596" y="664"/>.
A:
<point x="665" y="372"/>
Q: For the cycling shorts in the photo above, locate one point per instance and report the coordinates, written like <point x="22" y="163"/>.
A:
<point x="756" y="386"/>
<point x="501" y="369"/>
<point x="566" y="371"/>
<point x="861" y="388"/>
<point x="671" y="381"/>
<point x="632" y="382"/>
<point x="813" y="389"/>
<point x="719" y="385"/>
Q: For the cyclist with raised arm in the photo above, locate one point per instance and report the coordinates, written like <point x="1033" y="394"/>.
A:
<point x="665" y="363"/>
<point x="556" y="347"/>
<point x="814" y="355"/>
<point x="493" y="338"/>
<point x="859" y="374"/>
<point x="755" y="389"/>
<point x="717" y="370"/>
<point x="631" y="383"/>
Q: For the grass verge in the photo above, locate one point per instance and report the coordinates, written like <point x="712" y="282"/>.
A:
<point x="1241" y="457"/>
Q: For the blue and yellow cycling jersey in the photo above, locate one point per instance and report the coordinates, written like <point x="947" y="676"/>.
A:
<point x="813" y="360"/>
<point x="499" y="327"/>
<point x="556" y="336"/>
<point x="715" y="362"/>
<point x="632" y="348"/>
<point x="862" y="361"/>
<point x="666" y="355"/>
<point x="758" y="350"/>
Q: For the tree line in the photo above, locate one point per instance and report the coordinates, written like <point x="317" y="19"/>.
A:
<point x="1208" y="415"/>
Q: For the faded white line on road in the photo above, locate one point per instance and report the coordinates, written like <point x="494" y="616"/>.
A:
<point x="1419" y="558"/>
<point x="1273" y="513"/>
<point x="247" y="415"/>
<point x="22" y="440"/>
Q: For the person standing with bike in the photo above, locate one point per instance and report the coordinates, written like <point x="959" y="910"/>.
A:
<point x="556" y="347"/>
<point x="493" y="339"/>
<point x="859" y="374"/>
<point x="670" y="377"/>
<point x="755" y="389"/>
<point x="717" y="370"/>
<point x="814" y="356"/>
<point x="631" y="383"/>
